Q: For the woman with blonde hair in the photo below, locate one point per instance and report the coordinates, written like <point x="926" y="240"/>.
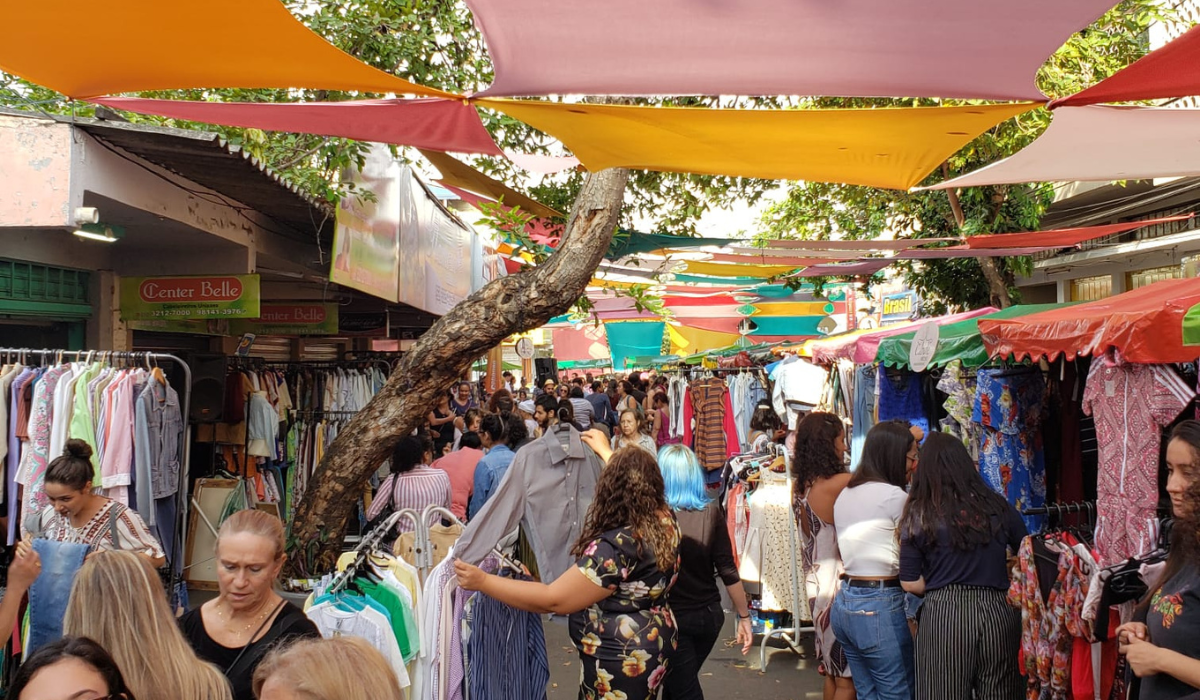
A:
<point x="118" y="601"/>
<point x="341" y="668"/>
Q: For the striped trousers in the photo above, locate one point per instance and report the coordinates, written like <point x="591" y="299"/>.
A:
<point x="968" y="642"/>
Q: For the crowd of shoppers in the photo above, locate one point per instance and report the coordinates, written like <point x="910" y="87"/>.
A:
<point x="914" y="522"/>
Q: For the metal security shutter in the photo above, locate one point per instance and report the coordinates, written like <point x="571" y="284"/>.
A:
<point x="323" y="350"/>
<point x="274" y="349"/>
<point x="29" y="289"/>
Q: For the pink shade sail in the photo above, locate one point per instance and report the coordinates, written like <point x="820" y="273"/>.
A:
<point x="540" y="230"/>
<point x="1170" y="71"/>
<point x="962" y="251"/>
<point x="586" y="343"/>
<point x="1063" y="237"/>
<point x="862" y="348"/>
<point x="433" y="123"/>
<point x="865" y="48"/>
<point x="769" y="253"/>
<point x="862" y="246"/>
<point x="765" y="260"/>
<point x="1100" y="144"/>
<point x="864" y="267"/>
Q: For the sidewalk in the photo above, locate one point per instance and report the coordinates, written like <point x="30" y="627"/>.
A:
<point x="727" y="674"/>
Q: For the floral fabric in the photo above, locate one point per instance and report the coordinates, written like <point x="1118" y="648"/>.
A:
<point x="1049" y="625"/>
<point x="1009" y="409"/>
<point x="959" y="388"/>
<point x="624" y="640"/>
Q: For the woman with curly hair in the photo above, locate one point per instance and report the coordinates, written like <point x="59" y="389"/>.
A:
<point x="616" y="593"/>
<point x="820" y="475"/>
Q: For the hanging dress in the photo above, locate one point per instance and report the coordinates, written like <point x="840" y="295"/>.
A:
<point x="822" y="565"/>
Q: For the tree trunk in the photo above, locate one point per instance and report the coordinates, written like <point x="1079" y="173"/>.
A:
<point x="511" y="304"/>
<point x="997" y="287"/>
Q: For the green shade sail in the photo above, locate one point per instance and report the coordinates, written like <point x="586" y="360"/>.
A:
<point x="956" y="341"/>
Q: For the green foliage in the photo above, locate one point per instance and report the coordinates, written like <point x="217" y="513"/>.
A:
<point x="816" y="211"/>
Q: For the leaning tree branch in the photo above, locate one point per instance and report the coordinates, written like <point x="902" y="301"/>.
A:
<point x="508" y="305"/>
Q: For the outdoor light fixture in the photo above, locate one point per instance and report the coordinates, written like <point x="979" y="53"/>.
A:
<point x="100" y="232"/>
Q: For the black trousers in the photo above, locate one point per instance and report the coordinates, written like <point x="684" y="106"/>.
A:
<point x="699" y="630"/>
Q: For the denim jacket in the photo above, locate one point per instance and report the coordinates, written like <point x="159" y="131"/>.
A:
<point x="158" y="431"/>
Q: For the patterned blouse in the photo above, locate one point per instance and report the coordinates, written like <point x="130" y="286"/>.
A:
<point x="113" y="527"/>
<point x="625" y="639"/>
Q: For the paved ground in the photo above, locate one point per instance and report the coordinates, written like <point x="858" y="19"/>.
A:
<point x="726" y="675"/>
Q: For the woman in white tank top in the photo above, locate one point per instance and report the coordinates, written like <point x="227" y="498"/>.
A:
<point x="868" y="614"/>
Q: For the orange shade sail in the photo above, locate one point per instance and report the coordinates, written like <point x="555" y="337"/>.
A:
<point x="141" y="45"/>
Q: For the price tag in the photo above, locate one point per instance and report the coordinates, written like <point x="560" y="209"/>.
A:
<point x="924" y="346"/>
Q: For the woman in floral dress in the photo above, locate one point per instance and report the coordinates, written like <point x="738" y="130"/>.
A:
<point x="616" y="595"/>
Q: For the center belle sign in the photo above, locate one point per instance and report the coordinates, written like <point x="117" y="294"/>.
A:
<point x="180" y="298"/>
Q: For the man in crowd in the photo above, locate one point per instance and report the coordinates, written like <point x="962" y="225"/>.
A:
<point x="509" y="382"/>
<point x="584" y="415"/>
<point x="545" y="411"/>
<point x="602" y="410"/>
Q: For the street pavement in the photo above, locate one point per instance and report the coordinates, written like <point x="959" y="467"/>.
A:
<point x="726" y="675"/>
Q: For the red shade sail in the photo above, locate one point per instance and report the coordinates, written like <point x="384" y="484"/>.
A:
<point x="1171" y="71"/>
<point x="1144" y="325"/>
<point x="1063" y="237"/>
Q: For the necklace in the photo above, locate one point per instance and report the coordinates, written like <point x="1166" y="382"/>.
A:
<point x="229" y="620"/>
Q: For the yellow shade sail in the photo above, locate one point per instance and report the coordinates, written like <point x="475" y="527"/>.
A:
<point x="793" y="308"/>
<point x="696" y="267"/>
<point x="894" y="147"/>
<point x="688" y="341"/>
<point x="139" y="45"/>
<point x="458" y="174"/>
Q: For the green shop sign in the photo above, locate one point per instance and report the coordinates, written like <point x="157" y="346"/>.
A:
<point x="199" y="298"/>
<point x="290" y="319"/>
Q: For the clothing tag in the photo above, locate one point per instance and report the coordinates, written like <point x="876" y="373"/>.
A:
<point x="1110" y="388"/>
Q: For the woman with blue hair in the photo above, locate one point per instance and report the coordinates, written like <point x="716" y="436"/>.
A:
<point x="695" y="598"/>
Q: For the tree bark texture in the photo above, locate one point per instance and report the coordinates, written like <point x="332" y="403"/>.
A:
<point x="997" y="286"/>
<point x="508" y="305"/>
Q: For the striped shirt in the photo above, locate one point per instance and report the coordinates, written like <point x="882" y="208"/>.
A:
<point x="418" y="489"/>
<point x="130" y="533"/>
<point x="505" y="652"/>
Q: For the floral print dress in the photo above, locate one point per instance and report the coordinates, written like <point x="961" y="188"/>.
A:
<point x="625" y="639"/>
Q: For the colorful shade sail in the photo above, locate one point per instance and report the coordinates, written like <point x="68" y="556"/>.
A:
<point x="860" y="246"/>
<point x="962" y="251"/>
<point x="860" y="268"/>
<point x="433" y="123"/>
<point x="686" y="340"/>
<point x="894" y="148"/>
<point x="1100" y="144"/>
<point x="586" y="343"/>
<point x="695" y="267"/>
<point x="868" y="48"/>
<point x="458" y="174"/>
<point x="1064" y="237"/>
<point x="630" y="339"/>
<point x="956" y="341"/>
<point x="793" y="262"/>
<point x="157" y="45"/>
<point x="861" y="347"/>
<point x="1146" y="326"/>
<point x="1170" y="71"/>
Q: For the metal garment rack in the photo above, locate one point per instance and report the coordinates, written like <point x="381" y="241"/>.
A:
<point x="790" y="635"/>
<point x="146" y="358"/>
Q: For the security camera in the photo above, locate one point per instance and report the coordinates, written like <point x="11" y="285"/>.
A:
<point x="86" y="215"/>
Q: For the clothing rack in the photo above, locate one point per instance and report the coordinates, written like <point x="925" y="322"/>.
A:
<point x="423" y="545"/>
<point x="368" y="544"/>
<point x="790" y="635"/>
<point x="131" y="359"/>
<point x="1088" y="507"/>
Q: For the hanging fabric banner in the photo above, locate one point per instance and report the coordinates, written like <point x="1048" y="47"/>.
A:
<point x="630" y="339"/>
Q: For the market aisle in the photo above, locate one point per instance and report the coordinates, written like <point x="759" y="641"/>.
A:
<point x="727" y="674"/>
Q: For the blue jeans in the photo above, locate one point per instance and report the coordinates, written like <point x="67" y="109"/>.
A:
<point x="871" y="626"/>
<point x="49" y="593"/>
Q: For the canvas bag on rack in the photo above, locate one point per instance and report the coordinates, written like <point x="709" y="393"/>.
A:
<point x="441" y="539"/>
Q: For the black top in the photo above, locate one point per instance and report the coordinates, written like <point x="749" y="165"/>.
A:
<point x="1173" y="622"/>
<point x="289" y="624"/>
<point x="445" y="432"/>
<point x="704" y="553"/>
<point x="942" y="565"/>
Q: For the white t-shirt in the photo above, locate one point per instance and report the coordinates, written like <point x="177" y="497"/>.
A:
<point x="866" y="518"/>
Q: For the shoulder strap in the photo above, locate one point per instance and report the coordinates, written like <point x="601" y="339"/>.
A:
<point x="114" y="514"/>
<point x="265" y="643"/>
